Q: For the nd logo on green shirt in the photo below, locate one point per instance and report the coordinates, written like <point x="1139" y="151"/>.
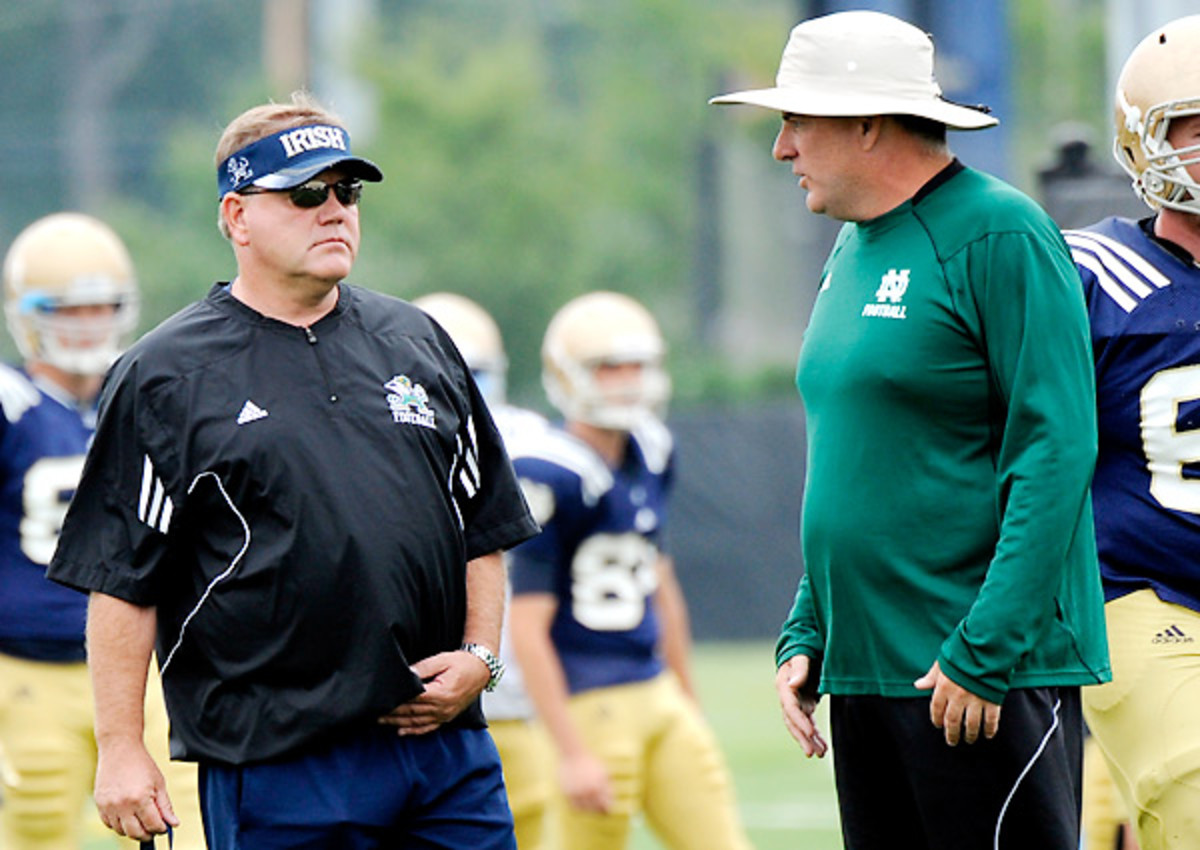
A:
<point x="889" y="295"/>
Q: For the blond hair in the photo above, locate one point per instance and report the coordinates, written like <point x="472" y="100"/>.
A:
<point x="258" y="122"/>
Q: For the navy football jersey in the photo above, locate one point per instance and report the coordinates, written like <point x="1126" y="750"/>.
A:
<point x="43" y="440"/>
<point x="598" y="552"/>
<point x="1144" y="305"/>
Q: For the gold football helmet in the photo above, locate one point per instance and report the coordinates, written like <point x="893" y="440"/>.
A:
<point x="477" y="337"/>
<point x="71" y="298"/>
<point x="598" y="329"/>
<point x="1159" y="83"/>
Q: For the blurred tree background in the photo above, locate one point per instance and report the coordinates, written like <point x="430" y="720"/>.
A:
<point x="534" y="149"/>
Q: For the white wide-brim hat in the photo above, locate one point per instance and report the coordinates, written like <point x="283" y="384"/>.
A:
<point x="860" y="63"/>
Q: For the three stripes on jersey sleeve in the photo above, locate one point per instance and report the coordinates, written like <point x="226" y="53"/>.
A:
<point x="1123" y="275"/>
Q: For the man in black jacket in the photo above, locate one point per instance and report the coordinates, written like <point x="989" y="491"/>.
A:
<point x="297" y="491"/>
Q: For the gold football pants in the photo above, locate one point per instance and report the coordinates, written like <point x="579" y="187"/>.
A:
<point x="48" y="759"/>
<point x="1147" y="719"/>
<point x="662" y="760"/>
<point x="529" y="776"/>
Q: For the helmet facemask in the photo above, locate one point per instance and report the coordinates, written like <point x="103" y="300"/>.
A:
<point x="62" y="332"/>
<point x="598" y="330"/>
<point x="1159" y="85"/>
<point x="1159" y="171"/>
<point x="618" y="405"/>
<point x="71" y="297"/>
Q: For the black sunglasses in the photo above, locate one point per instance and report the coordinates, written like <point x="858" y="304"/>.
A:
<point x="315" y="192"/>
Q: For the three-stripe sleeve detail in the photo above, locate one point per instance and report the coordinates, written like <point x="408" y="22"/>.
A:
<point x="1123" y="275"/>
<point x="465" y="474"/>
<point x="155" y="507"/>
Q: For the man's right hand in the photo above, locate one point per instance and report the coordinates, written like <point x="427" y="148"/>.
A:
<point x="798" y="698"/>
<point x="131" y="793"/>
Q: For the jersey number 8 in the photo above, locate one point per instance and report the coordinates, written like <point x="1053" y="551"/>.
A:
<point x="49" y="484"/>
<point x="612" y="576"/>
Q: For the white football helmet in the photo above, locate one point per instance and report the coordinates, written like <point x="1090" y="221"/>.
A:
<point x="477" y="337"/>
<point x="1160" y="82"/>
<point x="65" y="261"/>
<point x="604" y="328"/>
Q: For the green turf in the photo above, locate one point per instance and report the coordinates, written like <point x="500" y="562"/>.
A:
<point x="786" y="800"/>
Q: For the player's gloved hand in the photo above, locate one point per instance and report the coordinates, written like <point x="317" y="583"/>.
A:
<point x="452" y="682"/>
<point x="131" y="793"/>
<point x="798" y="698"/>
<point x="955" y="710"/>
<point x="585" y="783"/>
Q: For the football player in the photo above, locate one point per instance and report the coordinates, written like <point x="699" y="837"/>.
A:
<point x="598" y="618"/>
<point x="71" y="302"/>
<point x="524" y="748"/>
<point x="1143" y="294"/>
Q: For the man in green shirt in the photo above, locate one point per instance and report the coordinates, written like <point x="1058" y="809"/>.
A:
<point x="947" y="382"/>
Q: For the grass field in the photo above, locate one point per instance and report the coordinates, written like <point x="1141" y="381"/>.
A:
<point x="786" y="800"/>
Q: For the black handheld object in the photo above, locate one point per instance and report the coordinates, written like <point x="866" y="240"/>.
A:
<point x="149" y="843"/>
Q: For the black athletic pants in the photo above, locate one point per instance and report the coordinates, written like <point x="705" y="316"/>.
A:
<point x="901" y="786"/>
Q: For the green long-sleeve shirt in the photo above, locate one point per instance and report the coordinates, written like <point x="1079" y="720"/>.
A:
<point x="947" y="382"/>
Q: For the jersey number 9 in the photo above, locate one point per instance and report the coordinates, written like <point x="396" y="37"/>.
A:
<point x="1169" y="450"/>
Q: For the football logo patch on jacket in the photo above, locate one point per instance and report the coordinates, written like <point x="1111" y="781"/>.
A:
<point x="409" y="402"/>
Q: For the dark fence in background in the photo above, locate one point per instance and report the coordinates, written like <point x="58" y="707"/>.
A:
<point x="735" y="518"/>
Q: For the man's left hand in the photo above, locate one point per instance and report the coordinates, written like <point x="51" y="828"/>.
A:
<point x="957" y="711"/>
<point x="452" y="682"/>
